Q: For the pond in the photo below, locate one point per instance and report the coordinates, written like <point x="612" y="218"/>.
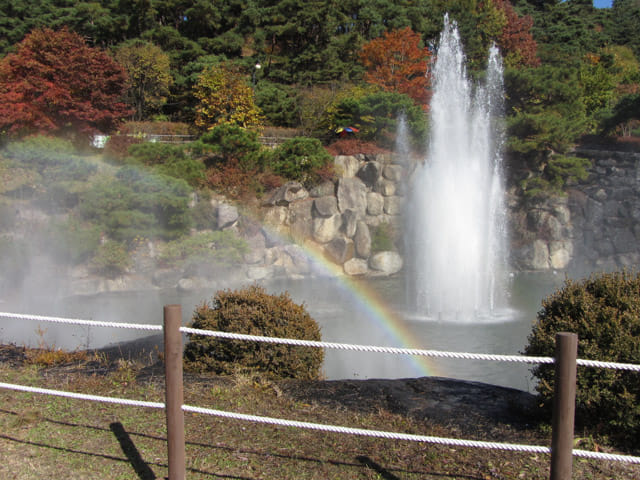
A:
<point x="364" y="312"/>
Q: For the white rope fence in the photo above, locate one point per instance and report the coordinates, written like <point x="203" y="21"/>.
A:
<point x="338" y="346"/>
<point x="456" y="442"/>
<point x="82" y="396"/>
<point x="322" y="427"/>
<point x="77" y="321"/>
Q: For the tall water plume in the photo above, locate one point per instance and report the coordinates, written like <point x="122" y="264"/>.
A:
<point x="455" y="215"/>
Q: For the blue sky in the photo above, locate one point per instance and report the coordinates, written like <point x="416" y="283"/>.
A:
<point x="602" y="3"/>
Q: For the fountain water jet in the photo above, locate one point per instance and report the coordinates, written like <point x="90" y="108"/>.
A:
<point x="455" y="215"/>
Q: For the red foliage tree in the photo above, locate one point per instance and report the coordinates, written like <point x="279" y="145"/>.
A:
<point x="56" y="83"/>
<point x="397" y="63"/>
<point x="516" y="40"/>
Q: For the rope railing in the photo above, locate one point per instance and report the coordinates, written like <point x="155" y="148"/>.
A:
<point x="330" y="345"/>
<point x="316" y="344"/>
<point x="322" y="427"/>
<point x="78" y="321"/>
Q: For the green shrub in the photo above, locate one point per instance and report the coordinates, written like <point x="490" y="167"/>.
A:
<point x="302" y="159"/>
<point x="73" y="241"/>
<point x="252" y="311"/>
<point x="220" y="247"/>
<point x="171" y="160"/>
<point x="278" y="103"/>
<point x="111" y="259"/>
<point x="225" y="143"/>
<point x="40" y="151"/>
<point x="382" y="238"/>
<point x="138" y="203"/>
<point x="604" y="311"/>
<point x="559" y="172"/>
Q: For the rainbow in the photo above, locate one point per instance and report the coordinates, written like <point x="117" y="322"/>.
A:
<point x="369" y="302"/>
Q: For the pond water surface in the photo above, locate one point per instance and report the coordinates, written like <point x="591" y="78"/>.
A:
<point x="345" y="314"/>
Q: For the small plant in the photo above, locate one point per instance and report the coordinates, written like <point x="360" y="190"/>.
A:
<point x="604" y="311"/>
<point x="253" y="311"/>
<point x="111" y="259"/>
<point x="221" y="247"/>
<point x="302" y="159"/>
<point x="560" y="172"/>
<point x="382" y="238"/>
<point x="48" y="356"/>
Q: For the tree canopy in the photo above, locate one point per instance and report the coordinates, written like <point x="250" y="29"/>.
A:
<point x="56" y="83"/>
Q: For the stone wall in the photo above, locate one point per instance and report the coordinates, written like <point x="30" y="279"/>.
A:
<point x="595" y="227"/>
<point x="338" y="218"/>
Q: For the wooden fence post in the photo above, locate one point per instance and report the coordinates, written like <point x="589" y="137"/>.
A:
<point x="564" y="406"/>
<point x="174" y="391"/>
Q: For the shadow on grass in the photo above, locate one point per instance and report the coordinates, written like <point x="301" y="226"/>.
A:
<point x="144" y="471"/>
<point x="129" y="449"/>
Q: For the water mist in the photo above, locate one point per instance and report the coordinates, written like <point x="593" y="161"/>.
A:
<point x="455" y="215"/>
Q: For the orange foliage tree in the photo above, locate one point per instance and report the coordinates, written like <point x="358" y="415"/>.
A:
<point x="398" y="63"/>
<point x="516" y="40"/>
<point x="56" y="83"/>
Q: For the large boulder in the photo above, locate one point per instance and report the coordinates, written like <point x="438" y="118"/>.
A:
<point x="326" y="229"/>
<point x="286" y="194"/>
<point x="257" y="245"/>
<point x="346" y="165"/>
<point x="375" y="204"/>
<point x="349" y="222"/>
<point x="300" y="219"/>
<point x="362" y="240"/>
<point x="352" y="195"/>
<point x="323" y="190"/>
<point x="394" y="173"/>
<point x="385" y="187"/>
<point x="355" y="266"/>
<point x="340" y="249"/>
<point x="386" y="263"/>
<point x="325" y="206"/>
<point x="227" y="216"/>
<point x="393" y="205"/>
<point x="370" y="173"/>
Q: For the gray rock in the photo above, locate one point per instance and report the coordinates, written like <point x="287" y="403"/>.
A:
<point x="349" y="222"/>
<point x="352" y="195"/>
<point x="227" y="215"/>
<point x="326" y="229"/>
<point x="286" y="194"/>
<point x="362" y="240"/>
<point x="393" y="205"/>
<point x="355" y="266"/>
<point x="276" y="216"/>
<point x="540" y="258"/>
<point x="324" y="189"/>
<point x="370" y="173"/>
<point x="560" y="255"/>
<point x="325" y="206"/>
<point x="340" y="249"/>
<point x="386" y="187"/>
<point x="300" y="219"/>
<point x="395" y="173"/>
<point x="346" y="165"/>
<point x="387" y="263"/>
<point x="375" y="203"/>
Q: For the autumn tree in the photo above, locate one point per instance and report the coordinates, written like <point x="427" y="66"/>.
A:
<point x="516" y="40"/>
<point x="225" y="97"/>
<point x="398" y="63"/>
<point x="56" y="83"/>
<point x="149" y="74"/>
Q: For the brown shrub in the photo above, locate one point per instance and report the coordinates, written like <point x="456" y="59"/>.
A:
<point x="253" y="311"/>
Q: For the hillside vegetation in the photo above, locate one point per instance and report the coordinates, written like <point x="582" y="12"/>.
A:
<point x="570" y="69"/>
